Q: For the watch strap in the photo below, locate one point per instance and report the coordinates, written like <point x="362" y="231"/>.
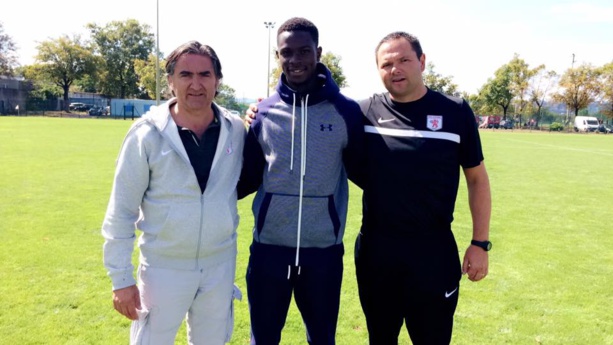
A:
<point x="485" y="245"/>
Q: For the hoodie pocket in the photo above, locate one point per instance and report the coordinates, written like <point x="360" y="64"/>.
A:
<point x="277" y="221"/>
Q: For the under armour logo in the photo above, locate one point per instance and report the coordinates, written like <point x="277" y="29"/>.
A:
<point x="324" y="127"/>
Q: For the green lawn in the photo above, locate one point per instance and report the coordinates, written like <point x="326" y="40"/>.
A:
<point x="551" y="268"/>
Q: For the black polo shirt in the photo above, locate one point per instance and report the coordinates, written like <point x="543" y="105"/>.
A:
<point x="201" y="152"/>
<point x="415" y="152"/>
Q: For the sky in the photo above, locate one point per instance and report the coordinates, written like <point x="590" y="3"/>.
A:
<point x="465" y="39"/>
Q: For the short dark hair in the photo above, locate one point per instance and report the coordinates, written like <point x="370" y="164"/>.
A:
<point x="193" y="47"/>
<point x="401" y="34"/>
<point x="300" y="24"/>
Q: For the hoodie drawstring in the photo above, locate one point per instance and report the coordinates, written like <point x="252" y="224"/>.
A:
<point x="289" y="271"/>
<point x="291" y="161"/>
<point x="303" y="155"/>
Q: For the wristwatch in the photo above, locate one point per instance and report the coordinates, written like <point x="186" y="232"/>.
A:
<point x="485" y="245"/>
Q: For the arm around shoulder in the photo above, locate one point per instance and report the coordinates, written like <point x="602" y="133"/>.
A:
<point x="354" y="155"/>
<point x="253" y="166"/>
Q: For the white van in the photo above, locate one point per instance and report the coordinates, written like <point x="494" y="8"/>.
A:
<point x="586" y="124"/>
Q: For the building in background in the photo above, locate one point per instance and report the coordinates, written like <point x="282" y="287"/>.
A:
<point x="13" y="95"/>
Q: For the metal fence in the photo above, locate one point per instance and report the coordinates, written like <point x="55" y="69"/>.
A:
<point x="12" y="106"/>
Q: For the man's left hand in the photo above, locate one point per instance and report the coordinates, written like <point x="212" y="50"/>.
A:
<point x="475" y="263"/>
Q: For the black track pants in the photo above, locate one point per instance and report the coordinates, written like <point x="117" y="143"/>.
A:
<point x="316" y="289"/>
<point x="408" y="282"/>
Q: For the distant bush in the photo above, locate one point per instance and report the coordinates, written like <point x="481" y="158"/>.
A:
<point x="556" y="126"/>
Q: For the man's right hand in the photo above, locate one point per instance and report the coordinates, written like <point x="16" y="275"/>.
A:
<point x="126" y="301"/>
<point x="250" y="114"/>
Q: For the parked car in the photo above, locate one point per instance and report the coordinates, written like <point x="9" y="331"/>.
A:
<point x="605" y="129"/>
<point x="97" y="111"/>
<point x="76" y="106"/>
<point x="491" y="121"/>
<point x="507" y="124"/>
<point x="84" y="107"/>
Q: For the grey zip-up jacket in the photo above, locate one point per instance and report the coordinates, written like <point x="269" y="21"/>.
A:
<point x="156" y="191"/>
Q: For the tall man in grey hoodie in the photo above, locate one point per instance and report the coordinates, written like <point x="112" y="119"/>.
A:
<point x="176" y="181"/>
<point x="298" y="154"/>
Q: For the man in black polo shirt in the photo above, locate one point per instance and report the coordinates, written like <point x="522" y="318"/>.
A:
<point x="407" y="261"/>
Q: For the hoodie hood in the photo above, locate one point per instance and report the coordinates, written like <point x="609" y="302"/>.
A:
<point x="327" y="90"/>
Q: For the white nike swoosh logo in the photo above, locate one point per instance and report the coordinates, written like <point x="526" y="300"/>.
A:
<point x="384" y="121"/>
<point x="447" y="294"/>
<point x="164" y="153"/>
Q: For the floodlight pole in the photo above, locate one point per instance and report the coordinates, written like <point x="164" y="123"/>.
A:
<point x="157" y="54"/>
<point x="572" y="77"/>
<point x="269" y="26"/>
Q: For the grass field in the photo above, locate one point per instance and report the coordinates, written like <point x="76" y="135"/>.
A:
<point x="551" y="268"/>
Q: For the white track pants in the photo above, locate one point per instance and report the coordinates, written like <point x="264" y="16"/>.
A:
<point x="205" y="296"/>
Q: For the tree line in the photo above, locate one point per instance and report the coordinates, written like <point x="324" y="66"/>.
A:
<point x="119" y="61"/>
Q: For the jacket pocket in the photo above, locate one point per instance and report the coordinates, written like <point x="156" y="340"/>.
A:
<point x="219" y="223"/>
<point x="177" y="234"/>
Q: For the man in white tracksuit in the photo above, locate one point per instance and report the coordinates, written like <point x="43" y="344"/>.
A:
<point x="175" y="181"/>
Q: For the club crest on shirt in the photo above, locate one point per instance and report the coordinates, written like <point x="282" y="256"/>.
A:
<point x="434" y="122"/>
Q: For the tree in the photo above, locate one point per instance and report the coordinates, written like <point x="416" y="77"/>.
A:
<point x="275" y="75"/>
<point x="477" y="103"/>
<point x="579" y="87"/>
<point x="120" y="44"/>
<point x="62" y="61"/>
<point x="8" y="59"/>
<point x="333" y="62"/>
<point x="226" y="97"/>
<point x="497" y="91"/>
<point x="145" y="70"/>
<point x="43" y="92"/>
<point x="540" y="87"/>
<point x="606" y="85"/>
<point x="521" y="74"/>
<point x="438" y="82"/>
<point x="43" y="88"/>
<point x="88" y="83"/>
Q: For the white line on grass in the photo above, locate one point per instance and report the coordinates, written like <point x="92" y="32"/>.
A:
<point x="567" y="148"/>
